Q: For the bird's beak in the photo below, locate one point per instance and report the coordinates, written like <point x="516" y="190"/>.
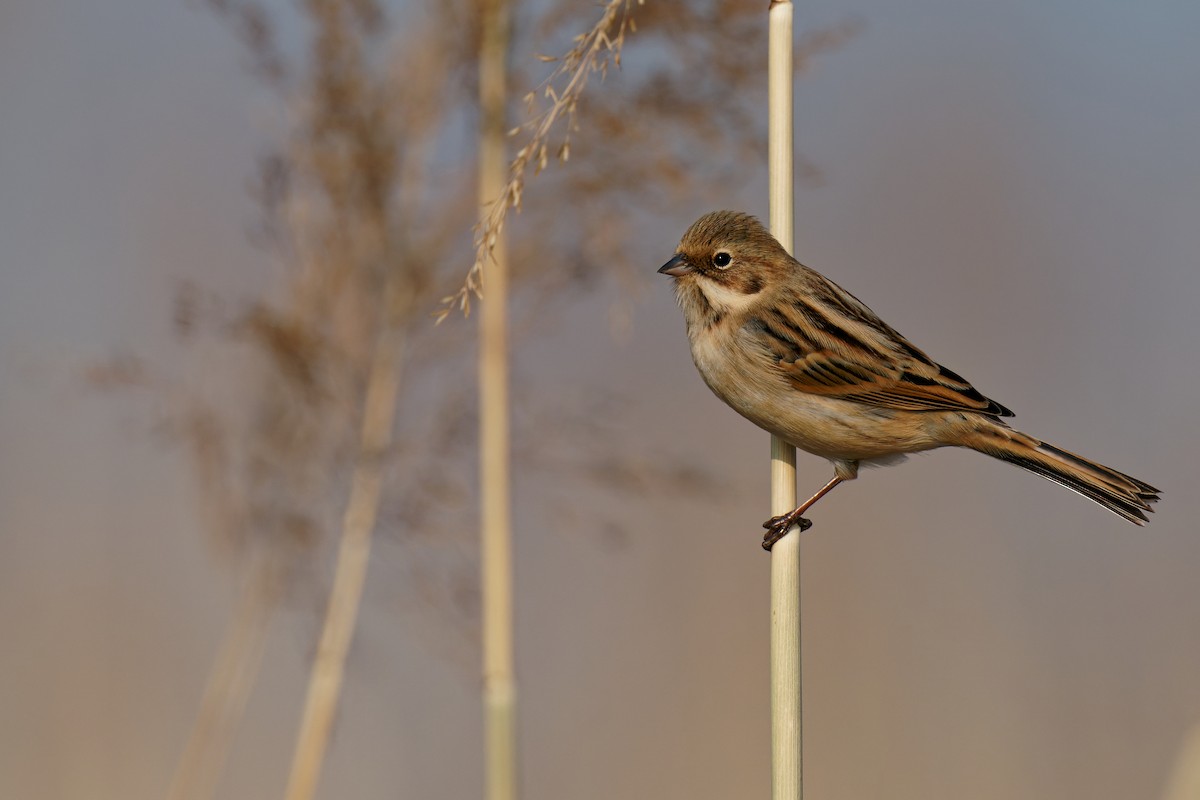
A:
<point x="677" y="267"/>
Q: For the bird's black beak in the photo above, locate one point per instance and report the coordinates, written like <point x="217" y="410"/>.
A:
<point x="677" y="267"/>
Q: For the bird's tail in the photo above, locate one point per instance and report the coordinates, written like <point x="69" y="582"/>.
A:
<point x="1116" y="491"/>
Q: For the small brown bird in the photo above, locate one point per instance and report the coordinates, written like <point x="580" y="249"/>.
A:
<point x="805" y="360"/>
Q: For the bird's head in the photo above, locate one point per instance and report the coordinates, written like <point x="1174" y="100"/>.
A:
<point x="724" y="263"/>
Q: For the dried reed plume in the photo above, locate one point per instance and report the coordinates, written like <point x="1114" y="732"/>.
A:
<point x="592" y="52"/>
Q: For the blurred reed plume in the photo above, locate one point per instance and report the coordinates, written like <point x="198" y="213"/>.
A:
<point x="331" y="403"/>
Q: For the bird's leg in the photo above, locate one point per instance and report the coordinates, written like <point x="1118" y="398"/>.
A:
<point x="777" y="527"/>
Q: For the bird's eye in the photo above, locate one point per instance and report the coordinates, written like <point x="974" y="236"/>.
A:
<point x="722" y="259"/>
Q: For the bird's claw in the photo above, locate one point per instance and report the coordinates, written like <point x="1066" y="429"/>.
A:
<point x="777" y="528"/>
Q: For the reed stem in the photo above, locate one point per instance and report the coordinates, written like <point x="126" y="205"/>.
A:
<point x="499" y="684"/>
<point x="786" y="768"/>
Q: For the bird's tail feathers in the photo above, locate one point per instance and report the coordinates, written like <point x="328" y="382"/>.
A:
<point x="1116" y="491"/>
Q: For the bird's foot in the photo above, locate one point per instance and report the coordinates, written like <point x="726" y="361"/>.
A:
<point x="777" y="528"/>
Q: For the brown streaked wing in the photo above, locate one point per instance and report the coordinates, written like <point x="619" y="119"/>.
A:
<point x="819" y="353"/>
<point x="871" y="381"/>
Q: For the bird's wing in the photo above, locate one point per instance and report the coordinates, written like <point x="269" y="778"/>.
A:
<point x="828" y="343"/>
<point x="915" y="389"/>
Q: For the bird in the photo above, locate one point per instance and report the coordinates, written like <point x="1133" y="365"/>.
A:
<point x="807" y="361"/>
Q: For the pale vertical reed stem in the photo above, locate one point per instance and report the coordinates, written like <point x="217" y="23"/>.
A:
<point x="499" y="685"/>
<point x="1184" y="780"/>
<point x="354" y="550"/>
<point x="230" y="680"/>
<point x="786" y="772"/>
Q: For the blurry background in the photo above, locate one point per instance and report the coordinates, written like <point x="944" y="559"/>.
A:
<point x="1015" y="187"/>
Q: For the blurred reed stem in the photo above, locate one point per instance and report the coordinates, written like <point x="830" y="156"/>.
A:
<point x="354" y="550"/>
<point x="230" y="680"/>
<point x="499" y="685"/>
<point x="786" y="771"/>
<point x="1184" y="780"/>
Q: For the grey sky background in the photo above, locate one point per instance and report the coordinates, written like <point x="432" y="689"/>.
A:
<point x="1015" y="187"/>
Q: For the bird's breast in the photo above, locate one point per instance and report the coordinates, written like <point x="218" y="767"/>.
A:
<point x="747" y="378"/>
